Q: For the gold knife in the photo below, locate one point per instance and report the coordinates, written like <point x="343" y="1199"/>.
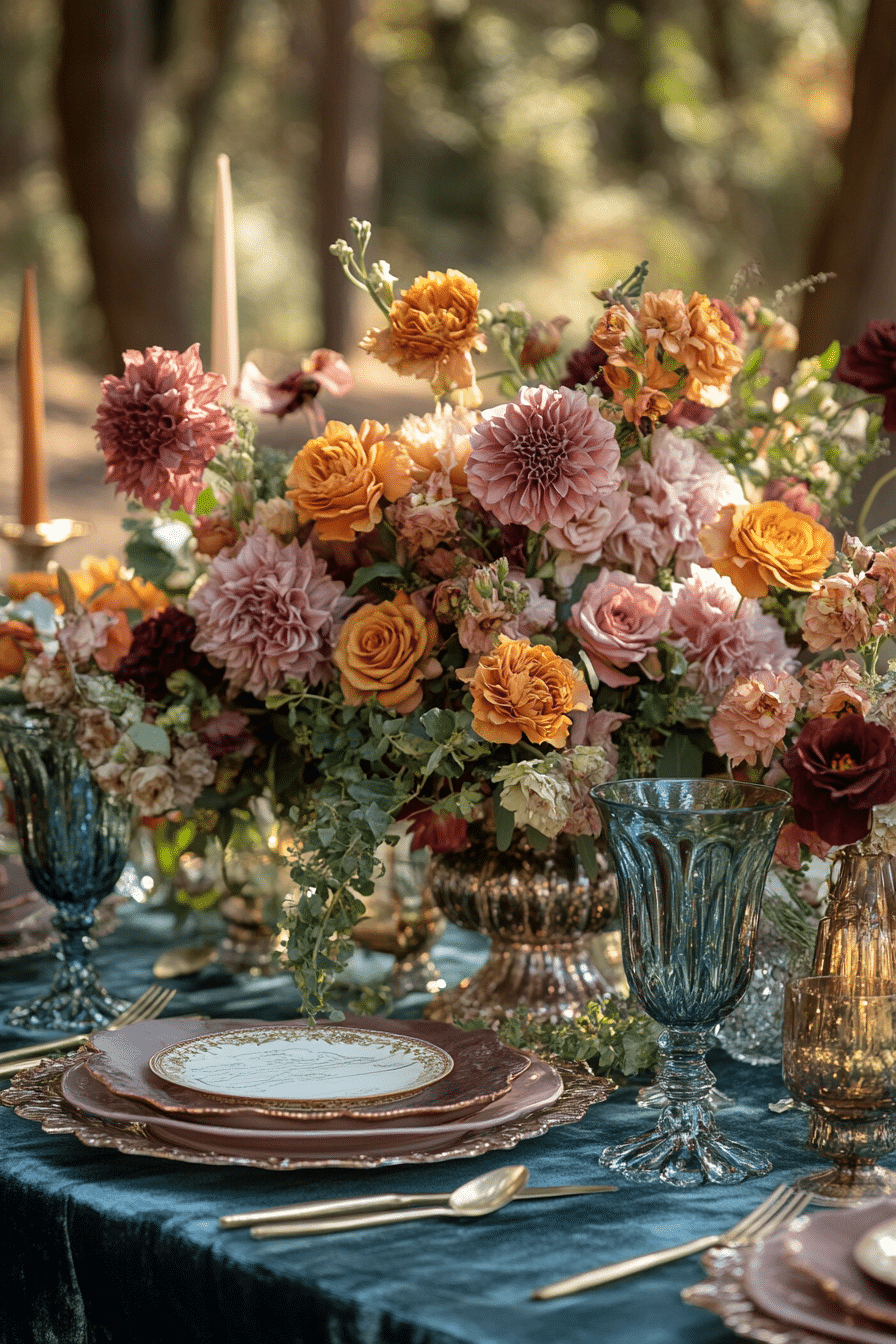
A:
<point x="316" y="1208"/>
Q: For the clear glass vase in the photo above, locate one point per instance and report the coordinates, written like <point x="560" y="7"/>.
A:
<point x="691" y="859"/>
<point x="74" y="841"/>
<point x="540" y="910"/>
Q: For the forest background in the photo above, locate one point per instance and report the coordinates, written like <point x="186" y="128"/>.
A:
<point x="542" y="148"/>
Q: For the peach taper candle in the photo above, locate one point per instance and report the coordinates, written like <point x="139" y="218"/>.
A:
<point x="33" y="485"/>
<point x="225" y="356"/>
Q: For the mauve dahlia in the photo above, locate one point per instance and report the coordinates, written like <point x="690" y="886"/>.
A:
<point x="159" y="426"/>
<point x="268" y="613"/>
<point x="544" y="458"/>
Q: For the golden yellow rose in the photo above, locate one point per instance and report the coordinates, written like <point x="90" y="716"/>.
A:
<point x="709" y="353"/>
<point x="338" y="480"/>
<point x="524" y="688"/>
<point x="384" y="650"/>
<point x="433" y="328"/>
<point x="768" y="545"/>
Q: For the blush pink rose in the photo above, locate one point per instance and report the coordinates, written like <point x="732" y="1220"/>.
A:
<point x="754" y="716"/>
<point x="836" y="688"/>
<point x="837" y="615"/>
<point x="618" y="622"/>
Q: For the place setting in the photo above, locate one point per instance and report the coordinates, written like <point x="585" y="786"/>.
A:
<point x="365" y="1092"/>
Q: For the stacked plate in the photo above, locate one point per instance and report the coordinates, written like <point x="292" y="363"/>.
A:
<point x="831" y="1276"/>
<point x="363" y="1092"/>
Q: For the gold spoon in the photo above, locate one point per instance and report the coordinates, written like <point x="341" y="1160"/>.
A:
<point x="482" y="1195"/>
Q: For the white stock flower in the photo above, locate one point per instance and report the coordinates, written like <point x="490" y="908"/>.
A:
<point x="536" y="794"/>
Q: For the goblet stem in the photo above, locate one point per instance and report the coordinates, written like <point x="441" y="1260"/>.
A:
<point x="76" y="1000"/>
<point x="686" y="1147"/>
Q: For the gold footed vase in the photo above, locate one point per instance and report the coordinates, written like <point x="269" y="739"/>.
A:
<point x="857" y="940"/>
<point x="540" y="910"/>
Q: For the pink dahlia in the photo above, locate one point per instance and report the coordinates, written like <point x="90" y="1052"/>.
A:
<point x="544" y="458"/>
<point x="159" y="426"/>
<point x="723" y="636"/>
<point x="268" y="613"/>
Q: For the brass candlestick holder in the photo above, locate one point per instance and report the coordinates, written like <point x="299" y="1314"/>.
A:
<point x="33" y="546"/>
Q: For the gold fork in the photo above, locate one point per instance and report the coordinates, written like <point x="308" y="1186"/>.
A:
<point x="780" y="1208"/>
<point x="150" y="1005"/>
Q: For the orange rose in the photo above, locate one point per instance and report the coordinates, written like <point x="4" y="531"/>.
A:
<point x="524" y="688"/>
<point x="338" y="480"/>
<point x="384" y="650"/>
<point x="20" y="586"/>
<point x="432" y="330"/>
<point x="118" y="643"/>
<point x="16" y="640"/>
<point x="616" y="333"/>
<point x="768" y="545"/>
<point x="710" y="354"/>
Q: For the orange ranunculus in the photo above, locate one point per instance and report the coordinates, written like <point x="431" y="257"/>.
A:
<point x="768" y="545"/>
<point x="432" y="330"/>
<point x="20" y="586"/>
<point x="119" y="639"/>
<point x="384" y="650"/>
<point x="338" y="480"/>
<point x="710" y="354"/>
<point x="524" y="688"/>
<point x="17" y="639"/>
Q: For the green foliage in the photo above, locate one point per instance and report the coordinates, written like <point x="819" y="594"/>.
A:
<point x="614" y="1035"/>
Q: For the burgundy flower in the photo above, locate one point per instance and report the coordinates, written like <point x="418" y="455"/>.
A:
<point x="163" y="644"/>
<point x="686" y="413"/>
<point x="440" y="834"/>
<point x="795" y="494"/>
<point x="543" y="458"/>
<point x="871" y="365"/>
<point x="584" y="366"/>
<point x="159" y="426"/>
<point x="841" y="769"/>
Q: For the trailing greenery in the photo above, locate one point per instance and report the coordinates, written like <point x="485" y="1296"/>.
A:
<point x="614" y="1035"/>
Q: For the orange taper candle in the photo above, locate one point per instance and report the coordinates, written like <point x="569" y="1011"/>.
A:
<point x="33" y="485"/>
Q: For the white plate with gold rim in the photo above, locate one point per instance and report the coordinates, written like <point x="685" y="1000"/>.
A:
<point x="875" y="1253"/>
<point x="303" y="1067"/>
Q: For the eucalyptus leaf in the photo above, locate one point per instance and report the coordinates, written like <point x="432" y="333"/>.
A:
<point x="150" y="737"/>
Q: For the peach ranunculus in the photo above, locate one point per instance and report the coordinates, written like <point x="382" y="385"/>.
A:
<point x="432" y="330"/>
<point x="710" y="354"/>
<point x="618" y="621"/>
<point x="385" y="650"/>
<point x="835" y="688"/>
<point x="339" y="480"/>
<point x="754" y="715"/>
<point x="767" y="545"/>
<point x="523" y="689"/>
<point x="17" y="641"/>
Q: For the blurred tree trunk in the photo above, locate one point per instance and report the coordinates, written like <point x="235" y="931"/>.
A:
<point x="135" y="254"/>
<point x="349" y="156"/>
<point x="856" y="235"/>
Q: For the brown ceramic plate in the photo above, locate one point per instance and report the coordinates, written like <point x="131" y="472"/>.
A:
<point x="483" y="1071"/>
<point x="824" y="1250"/>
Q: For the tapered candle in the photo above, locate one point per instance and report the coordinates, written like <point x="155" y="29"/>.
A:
<point x="225" y="358"/>
<point x="33" y="484"/>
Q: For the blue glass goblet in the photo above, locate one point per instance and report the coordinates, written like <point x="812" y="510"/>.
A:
<point x="691" y="858"/>
<point x="74" y="841"/>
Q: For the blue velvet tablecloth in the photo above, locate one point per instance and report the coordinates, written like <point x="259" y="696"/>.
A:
<point x="106" y="1248"/>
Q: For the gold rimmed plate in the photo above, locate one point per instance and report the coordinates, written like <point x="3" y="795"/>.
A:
<point x="484" y="1069"/>
<point x="318" y="1068"/>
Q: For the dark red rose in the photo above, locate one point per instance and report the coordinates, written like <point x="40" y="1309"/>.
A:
<point x="871" y="365"/>
<point x="840" y="769"/>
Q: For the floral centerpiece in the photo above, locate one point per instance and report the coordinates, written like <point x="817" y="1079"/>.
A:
<point x="478" y="611"/>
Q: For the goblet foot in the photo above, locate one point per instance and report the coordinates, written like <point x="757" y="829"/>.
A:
<point x="685" y="1149"/>
<point x="652" y="1097"/>
<point x="848" y="1185"/>
<point x="75" y="1001"/>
